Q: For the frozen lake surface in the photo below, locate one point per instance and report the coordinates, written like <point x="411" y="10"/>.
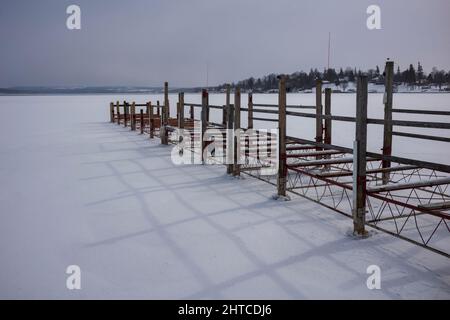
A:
<point x="77" y="190"/>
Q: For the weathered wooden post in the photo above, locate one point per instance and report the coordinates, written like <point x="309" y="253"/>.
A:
<point x="250" y="111"/>
<point x="319" y="121"/>
<point x="388" y="101"/>
<point x="230" y="138"/>
<point x="204" y="118"/>
<point x="237" y="132"/>
<point x="111" y="112"/>
<point x="282" y="163"/>
<point x="328" y="121"/>
<point x="191" y="112"/>
<point x="118" y="112"/>
<point x="181" y="110"/>
<point x="142" y="121"/>
<point x="133" y="116"/>
<point x="165" y="116"/>
<point x="207" y="106"/>
<point x="225" y="109"/>
<point x="158" y="107"/>
<point x="125" y="113"/>
<point x="151" y="123"/>
<point x="359" y="158"/>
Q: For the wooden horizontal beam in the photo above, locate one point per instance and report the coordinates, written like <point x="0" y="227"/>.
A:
<point x="420" y="136"/>
<point x="409" y="185"/>
<point x="436" y="206"/>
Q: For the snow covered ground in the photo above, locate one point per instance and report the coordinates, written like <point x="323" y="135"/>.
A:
<point x="76" y="189"/>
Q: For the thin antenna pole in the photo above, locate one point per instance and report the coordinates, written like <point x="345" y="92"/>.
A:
<point x="329" y="49"/>
<point x="207" y="74"/>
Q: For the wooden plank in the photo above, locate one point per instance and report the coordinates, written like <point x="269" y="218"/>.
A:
<point x="368" y="172"/>
<point x="436" y="206"/>
<point x="322" y="162"/>
<point x="416" y="111"/>
<point x="409" y="185"/>
<point x="420" y="136"/>
<point x="313" y="154"/>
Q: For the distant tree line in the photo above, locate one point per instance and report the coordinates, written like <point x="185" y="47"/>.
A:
<point x="303" y="81"/>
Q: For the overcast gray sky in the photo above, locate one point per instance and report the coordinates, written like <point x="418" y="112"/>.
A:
<point x="145" y="42"/>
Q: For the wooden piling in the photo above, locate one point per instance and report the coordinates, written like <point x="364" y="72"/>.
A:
<point x="319" y="121"/>
<point x="230" y="138"/>
<point x="359" y="158"/>
<point x="158" y="107"/>
<point x="166" y="100"/>
<point x="387" y="133"/>
<point x="118" y="112"/>
<point x="328" y="122"/>
<point x="282" y="168"/>
<point x="207" y="106"/>
<point x="237" y="134"/>
<point x="111" y="112"/>
<point x="250" y="111"/>
<point x="225" y="109"/>
<point x="151" y="121"/>
<point x="191" y="112"/>
<point x="165" y="116"/>
<point x="181" y="110"/>
<point x="204" y="118"/>
<point x="133" y="116"/>
<point x="142" y="121"/>
<point x="125" y="114"/>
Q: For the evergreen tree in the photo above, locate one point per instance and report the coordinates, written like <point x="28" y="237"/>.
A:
<point x="411" y="75"/>
<point x="420" y="74"/>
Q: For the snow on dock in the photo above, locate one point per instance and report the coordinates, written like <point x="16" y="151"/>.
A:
<point x="76" y="190"/>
